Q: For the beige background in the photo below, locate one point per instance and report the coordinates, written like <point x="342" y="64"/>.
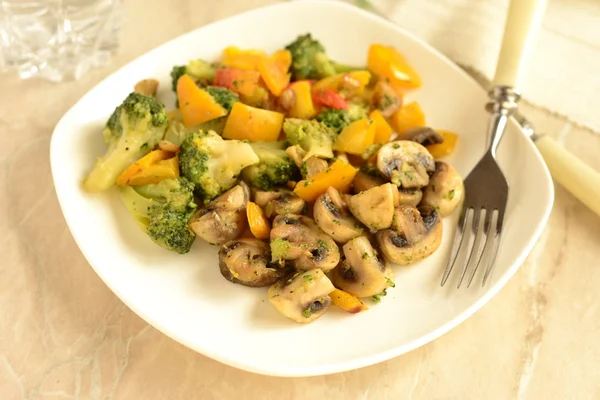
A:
<point x="64" y="335"/>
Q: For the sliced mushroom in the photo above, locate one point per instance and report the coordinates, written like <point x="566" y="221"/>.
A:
<point x="423" y="135"/>
<point x="365" y="181"/>
<point x="312" y="166"/>
<point x="385" y="98"/>
<point x="363" y="273"/>
<point x="279" y="202"/>
<point x="224" y="219"/>
<point x="297" y="154"/>
<point x="445" y="190"/>
<point x="299" y="239"/>
<point x="303" y="297"/>
<point x="405" y="163"/>
<point x="331" y="214"/>
<point x="165" y="145"/>
<point x="415" y="235"/>
<point x="409" y="197"/>
<point x="247" y="262"/>
<point x="147" y="87"/>
<point x="374" y="207"/>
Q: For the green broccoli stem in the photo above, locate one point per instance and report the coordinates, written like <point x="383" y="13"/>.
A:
<point x="343" y="68"/>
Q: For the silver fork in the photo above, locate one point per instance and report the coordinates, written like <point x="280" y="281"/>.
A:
<point x="486" y="187"/>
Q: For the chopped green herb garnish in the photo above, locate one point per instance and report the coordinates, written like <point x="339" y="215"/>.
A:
<point x="377" y="298"/>
<point x="307" y="312"/>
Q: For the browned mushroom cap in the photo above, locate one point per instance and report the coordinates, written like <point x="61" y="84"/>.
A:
<point x="247" y="262"/>
<point x="415" y="235"/>
<point x="331" y="214"/>
<point x="303" y="297"/>
<point x="385" y="98"/>
<point x="299" y="239"/>
<point x="146" y="87"/>
<point x="365" y="181"/>
<point x="224" y="219"/>
<point x="423" y="135"/>
<point x="408" y="197"/>
<point x="445" y="190"/>
<point x="405" y="163"/>
<point x="363" y="273"/>
<point x="374" y="207"/>
<point x="279" y="202"/>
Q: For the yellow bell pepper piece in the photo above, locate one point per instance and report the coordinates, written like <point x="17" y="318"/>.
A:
<point x="409" y="116"/>
<point x="383" y="130"/>
<point x="253" y="124"/>
<point x="387" y="62"/>
<point x="446" y="147"/>
<point x="347" y="302"/>
<point x="149" y="159"/>
<point x="274" y="71"/>
<point x="303" y="104"/>
<point x="235" y="57"/>
<point x="165" y="169"/>
<point x="339" y="175"/>
<point x="356" y="137"/>
<point x="196" y="105"/>
<point x="257" y="221"/>
<point x="348" y="84"/>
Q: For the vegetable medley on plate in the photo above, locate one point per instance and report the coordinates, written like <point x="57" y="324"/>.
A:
<point x="311" y="176"/>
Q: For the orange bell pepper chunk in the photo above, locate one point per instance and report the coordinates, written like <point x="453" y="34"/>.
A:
<point x="346" y="301"/>
<point x="149" y="159"/>
<point x="409" y="116"/>
<point x="257" y="221"/>
<point x="196" y="105"/>
<point x="253" y="124"/>
<point x="383" y="130"/>
<point x="235" y="57"/>
<point x="339" y="175"/>
<point x="303" y="103"/>
<point x="356" y="137"/>
<point x="242" y="81"/>
<point x="446" y="147"/>
<point x="274" y="71"/>
<point x="389" y="63"/>
<point x="165" y="169"/>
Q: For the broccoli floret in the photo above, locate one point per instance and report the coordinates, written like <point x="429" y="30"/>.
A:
<point x="177" y="131"/>
<point x="224" y="97"/>
<point x="309" y="60"/>
<point x="199" y="70"/>
<point x="279" y="250"/>
<point x="163" y="210"/>
<point x="313" y="136"/>
<point x="275" y="167"/>
<point x="339" y="119"/>
<point x="356" y="112"/>
<point x="176" y="72"/>
<point x="213" y="164"/>
<point x="134" y="128"/>
<point x="334" y="118"/>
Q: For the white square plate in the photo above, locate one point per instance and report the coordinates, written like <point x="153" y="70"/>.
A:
<point x="186" y="297"/>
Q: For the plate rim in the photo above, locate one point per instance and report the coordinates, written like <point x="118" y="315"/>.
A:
<point x="359" y="362"/>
